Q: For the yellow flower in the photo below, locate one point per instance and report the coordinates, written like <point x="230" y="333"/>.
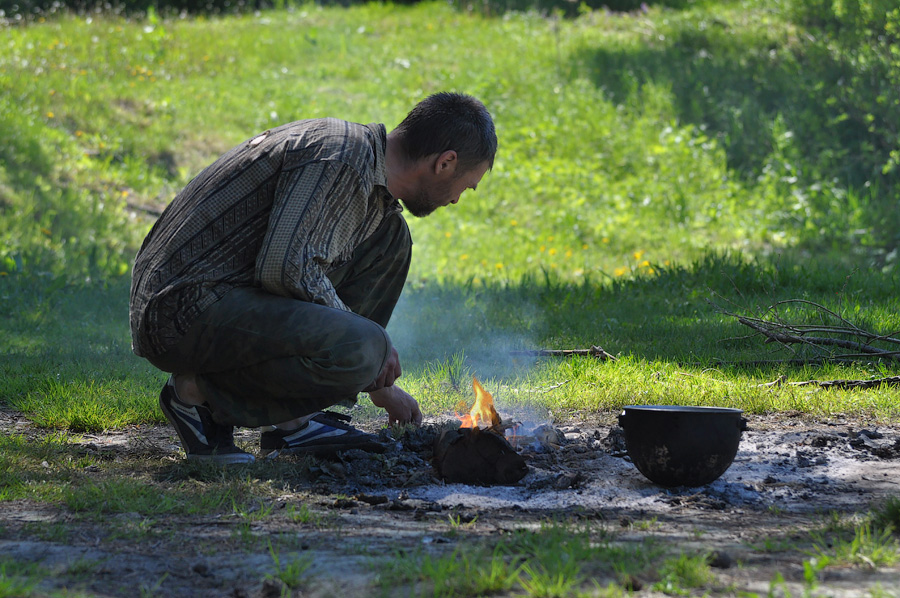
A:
<point x="549" y="239"/>
<point x="568" y="253"/>
<point x="464" y="256"/>
<point x="645" y="264"/>
<point x="49" y="115"/>
<point x="604" y="240"/>
<point x="638" y="255"/>
<point x="621" y="271"/>
<point x="543" y="248"/>
<point x="514" y="222"/>
<point x="499" y="266"/>
<point x="584" y="246"/>
<point x="552" y="251"/>
<point x="448" y="234"/>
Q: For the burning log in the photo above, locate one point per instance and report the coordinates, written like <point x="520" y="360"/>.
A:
<point x="470" y="455"/>
<point x="476" y="456"/>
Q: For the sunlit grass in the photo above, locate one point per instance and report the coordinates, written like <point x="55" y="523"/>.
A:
<point x="673" y="346"/>
<point x="602" y="173"/>
<point x="603" y="221"/>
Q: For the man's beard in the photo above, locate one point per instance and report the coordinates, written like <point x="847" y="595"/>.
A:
<point x="421" y="205"/>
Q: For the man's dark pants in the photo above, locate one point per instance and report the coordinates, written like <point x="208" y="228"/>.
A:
<point x="261" y="359"/>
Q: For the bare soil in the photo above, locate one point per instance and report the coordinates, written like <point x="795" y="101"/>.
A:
<point x="793" y="476"/>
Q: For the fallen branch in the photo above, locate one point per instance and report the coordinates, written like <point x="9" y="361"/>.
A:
<point x="776" y="333"/>
<point x="831" y="342"/>
<point x="594" y="351"/>
<point x="889" y="381"/>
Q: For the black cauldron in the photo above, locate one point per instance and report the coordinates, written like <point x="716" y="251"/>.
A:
<point x="682" y="446"/>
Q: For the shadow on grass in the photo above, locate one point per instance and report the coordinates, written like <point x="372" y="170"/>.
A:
<point x="793" y="109"/>
<point x="673" y="315"/>
<point x="67" y="357"/>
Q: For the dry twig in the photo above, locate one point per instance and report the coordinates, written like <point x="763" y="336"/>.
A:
<point x="821" y="337"/>
<point x="594" y="351"/>
<point x="889" y="381"/>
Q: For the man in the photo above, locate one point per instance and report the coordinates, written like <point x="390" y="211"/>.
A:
<point x="266" y="285"/>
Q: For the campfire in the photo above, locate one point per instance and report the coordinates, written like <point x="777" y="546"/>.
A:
<point x="471" y="454"/>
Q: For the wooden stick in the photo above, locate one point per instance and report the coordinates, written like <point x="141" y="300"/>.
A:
<point x="889" y="381"/>
<point x="594" y="351"/>
<point x="771" y="332"/>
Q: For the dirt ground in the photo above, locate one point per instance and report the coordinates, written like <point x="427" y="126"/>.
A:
<point x="792" y="475"/>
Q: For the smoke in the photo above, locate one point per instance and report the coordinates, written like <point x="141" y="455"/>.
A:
<point x="468" y="332"/>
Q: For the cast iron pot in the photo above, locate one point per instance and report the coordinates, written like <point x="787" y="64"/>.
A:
<point x="682" y="446"/>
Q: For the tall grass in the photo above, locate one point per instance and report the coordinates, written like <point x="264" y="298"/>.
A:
<point x="619" y="187"/>
<point x="627" y="140"/>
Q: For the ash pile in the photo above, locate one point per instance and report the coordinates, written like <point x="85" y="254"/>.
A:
<point x="793" y="466"/>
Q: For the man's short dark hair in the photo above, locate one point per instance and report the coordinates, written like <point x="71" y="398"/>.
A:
<point x="450" y="121"/>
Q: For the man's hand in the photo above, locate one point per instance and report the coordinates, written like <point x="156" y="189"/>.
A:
<point x="389" y="373"/>
<point x="400" y="406"/>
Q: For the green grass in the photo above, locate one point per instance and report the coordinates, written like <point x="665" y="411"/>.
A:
<point x="627" y="208"/>
<point x="627" y="141"/>
<point x="561" y="559"/>
<point x="68" y="363"/>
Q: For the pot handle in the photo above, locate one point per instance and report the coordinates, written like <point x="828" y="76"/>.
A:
<point x="742" y="425"/>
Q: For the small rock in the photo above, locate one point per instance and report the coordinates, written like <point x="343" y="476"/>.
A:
<point x="272" y="588"/>
<point x="201" y="569"/>
<point x="372" y="499"/>
<point x="631" y="583"/>
<point x="400" y="505"/>
<point x="344" y="503"/>
<point x="720" y="560"/>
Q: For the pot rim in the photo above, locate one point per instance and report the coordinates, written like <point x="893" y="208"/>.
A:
<point x="682" y="409"/>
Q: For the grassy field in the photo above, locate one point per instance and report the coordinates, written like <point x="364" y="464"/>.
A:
<point x="614" y="215"/>
<point x="660" y="174"/>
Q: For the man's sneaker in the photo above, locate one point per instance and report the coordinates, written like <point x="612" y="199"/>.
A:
<point x="324" y="433"/>
<point x="202" y="438"/>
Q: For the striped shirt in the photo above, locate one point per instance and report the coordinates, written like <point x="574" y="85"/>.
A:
<point x="279" y="211"/>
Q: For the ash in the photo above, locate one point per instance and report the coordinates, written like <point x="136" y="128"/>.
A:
<point x="792" y="466"/>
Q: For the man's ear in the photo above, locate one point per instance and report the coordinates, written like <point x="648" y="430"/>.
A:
<point x="446" y="162"/>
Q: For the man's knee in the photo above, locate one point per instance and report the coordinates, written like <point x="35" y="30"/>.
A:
<point x="359" y="360"/>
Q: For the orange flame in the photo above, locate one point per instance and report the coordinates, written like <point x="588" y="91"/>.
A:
<point x="482" y="411"/>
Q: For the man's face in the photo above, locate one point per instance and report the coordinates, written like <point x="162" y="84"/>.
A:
<point x="439" y="191"/>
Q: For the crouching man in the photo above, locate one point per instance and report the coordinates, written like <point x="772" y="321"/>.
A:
<point x="265" y="287"/>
